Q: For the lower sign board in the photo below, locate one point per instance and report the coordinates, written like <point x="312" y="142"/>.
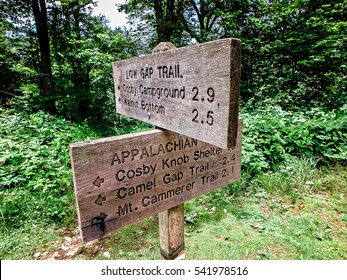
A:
<point x="187" y="90"/>
<point x="124" y="179"/>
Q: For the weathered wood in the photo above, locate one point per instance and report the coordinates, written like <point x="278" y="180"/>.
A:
<point x="171" y="231"/>
<point x="171" y="221"/>
<point x="192" y="90"/>
<point x="124" y="179"/>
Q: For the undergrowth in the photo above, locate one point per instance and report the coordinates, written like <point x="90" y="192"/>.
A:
<point x="35" y="169"/>
<point x="288" y="159"/>
<point x="271" y="134"/>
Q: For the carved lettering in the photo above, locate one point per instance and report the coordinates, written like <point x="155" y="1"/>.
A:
<point x="125" y="209"/>
<point x="153" y="150"/>
<point x="172" y="178"/>
<point x="132" y="173"/>
<point x="179" y="192"/>
<point x="199" y="169"/>
<point x="163" y="92"/>
<point x="212" y="151"/>
<point x="187" y="90"/>
<point x="146" y="72"/>
<point x="139" y="175"/>
<point x="170" y="71"/>
<point x="131" y="74"/>
<point x="168" y="163"/>
<point x="210" y="178"/>
<point x="124" y="192"/>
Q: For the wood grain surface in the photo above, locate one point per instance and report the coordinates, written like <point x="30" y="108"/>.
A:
<point x="191" y="90"/>
<point x="124" y="179"/>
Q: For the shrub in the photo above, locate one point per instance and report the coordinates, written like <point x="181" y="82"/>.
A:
<point x="35" y="173"/>
<point x="270" y="134"/>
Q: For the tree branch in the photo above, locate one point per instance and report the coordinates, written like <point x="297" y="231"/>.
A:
<point x="200" y="16"/>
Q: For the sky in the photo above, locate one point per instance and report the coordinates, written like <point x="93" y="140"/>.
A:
<point x="109" y="9"/>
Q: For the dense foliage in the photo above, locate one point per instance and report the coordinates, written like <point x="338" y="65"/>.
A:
<point x="293" y="51"/>
<point x="35" y="174"/>
<point x="271" y="134"/>
<point x="81" y="50"/>
<point x="56" y="82"/>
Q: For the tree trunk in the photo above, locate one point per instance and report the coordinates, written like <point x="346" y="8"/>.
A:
<point x="162" y="27"/>
<point x="41" y="22"/>
<point x="167" y="20"/>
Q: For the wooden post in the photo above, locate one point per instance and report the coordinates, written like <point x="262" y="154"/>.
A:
<point x="171" y="221"/>
<point x="171" y="231"/>
<point x="124" y="179"/>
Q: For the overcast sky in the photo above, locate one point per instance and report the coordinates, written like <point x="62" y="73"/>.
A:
<point x="109" y="9"/>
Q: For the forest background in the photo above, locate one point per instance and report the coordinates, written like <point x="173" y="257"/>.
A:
<point x="57" y="88"/>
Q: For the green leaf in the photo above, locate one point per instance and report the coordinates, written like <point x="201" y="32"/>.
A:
<point x="328" y="229"/>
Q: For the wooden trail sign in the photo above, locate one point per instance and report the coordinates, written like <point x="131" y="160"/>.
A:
<point x="191" y="90"/>
<point x="124" y="179"/>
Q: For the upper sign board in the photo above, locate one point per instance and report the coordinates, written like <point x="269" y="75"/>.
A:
<point x="124" y="179"/>
<point x="191" y="90"/>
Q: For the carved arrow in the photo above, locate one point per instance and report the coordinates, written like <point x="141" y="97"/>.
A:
<point x="98" y="181"/>
<point x="100" y="200"/>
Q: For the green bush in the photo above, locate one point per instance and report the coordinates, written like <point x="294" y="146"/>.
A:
<point x="270" y="134"/>
<point x="35" y="170"/>
<point x="318" y="134"/>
